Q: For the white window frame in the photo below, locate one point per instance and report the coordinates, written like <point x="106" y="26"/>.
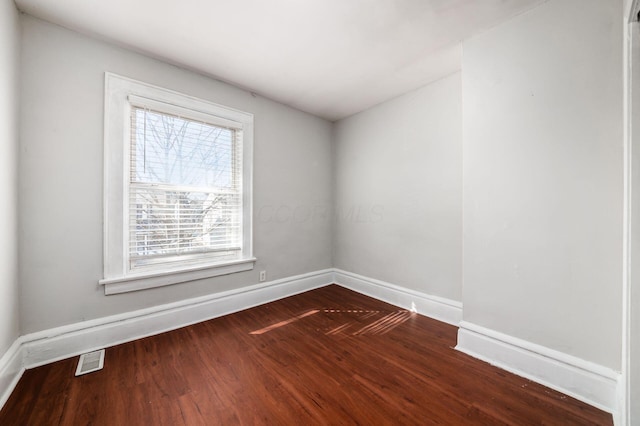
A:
<point x="118" y="278"/>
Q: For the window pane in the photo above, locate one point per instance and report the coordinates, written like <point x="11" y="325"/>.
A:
<point x="172" y="222"/>
<point x="174" y="150"/>
<point x="185" y="189"/>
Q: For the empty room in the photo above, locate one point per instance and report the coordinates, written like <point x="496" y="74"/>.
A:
<point x="319" y="212"/>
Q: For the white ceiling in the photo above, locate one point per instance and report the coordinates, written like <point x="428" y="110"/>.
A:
<point x="332" y="58"/>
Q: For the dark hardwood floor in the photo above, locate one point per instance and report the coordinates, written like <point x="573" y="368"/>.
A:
<point x="328" y="356"/>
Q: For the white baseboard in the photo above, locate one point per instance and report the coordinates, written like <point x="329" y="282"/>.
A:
<point x="63" y="342"/>
<point x="586" y="381"/>
<point x="445" y="310"/>
<point x="44" y="347"/>
<point x="11" y="369"/>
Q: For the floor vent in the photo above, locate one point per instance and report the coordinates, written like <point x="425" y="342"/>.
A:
<point x="90" y="362"/>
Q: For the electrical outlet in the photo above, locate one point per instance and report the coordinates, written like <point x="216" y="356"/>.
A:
<point x="263" y="276"/>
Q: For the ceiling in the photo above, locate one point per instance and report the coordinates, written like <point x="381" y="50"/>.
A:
<point x="331" y="58"/>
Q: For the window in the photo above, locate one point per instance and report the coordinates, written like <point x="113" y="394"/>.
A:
<point x="177" y="187"/>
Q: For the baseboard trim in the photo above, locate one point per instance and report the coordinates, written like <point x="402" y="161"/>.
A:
<point x="11" y="369"/>
<point x="445" y="310"/>
<point x="63" y="342"/>
<point x="586" y="381"/>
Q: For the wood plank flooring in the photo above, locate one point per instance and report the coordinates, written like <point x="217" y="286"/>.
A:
<point x="328" y="356"/>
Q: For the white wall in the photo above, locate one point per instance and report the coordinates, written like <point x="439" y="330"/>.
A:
<point x="61" y="170"/>
<point x="398" y="190"/>
<point x="9" y="84"/>
<point x="542" y="184"/>
<point x="634" y="323"/>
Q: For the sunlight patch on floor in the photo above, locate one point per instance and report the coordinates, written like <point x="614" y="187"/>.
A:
<point x="380" y="325"/>
<point x="286" y="322"/>
<point x="386" y="323"/>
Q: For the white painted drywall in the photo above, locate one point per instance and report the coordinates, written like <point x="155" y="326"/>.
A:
<point x="633" y="399"/>
<point x="9" y="90"/>
<point x="61" y="171"/>
<point x="398" y="190"/>
<point x="542" y="178"/>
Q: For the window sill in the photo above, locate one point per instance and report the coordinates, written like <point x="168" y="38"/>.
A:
<point x="142" y="281"/>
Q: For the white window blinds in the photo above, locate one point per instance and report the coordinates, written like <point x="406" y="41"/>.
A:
<point x="185" y="187"/>
<point x="178" y="200"/>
